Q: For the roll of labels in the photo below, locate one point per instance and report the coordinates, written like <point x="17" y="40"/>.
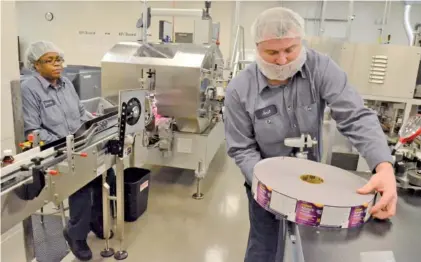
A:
<point x="310" y="193"/>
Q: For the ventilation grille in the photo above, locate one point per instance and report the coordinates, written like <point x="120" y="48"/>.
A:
<point x="378" y="69"/>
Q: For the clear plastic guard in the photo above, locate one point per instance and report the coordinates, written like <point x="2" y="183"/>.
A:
<point x="411" y="128"/>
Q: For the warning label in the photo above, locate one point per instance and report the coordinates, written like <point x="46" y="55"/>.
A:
<point x="143" y="186"/>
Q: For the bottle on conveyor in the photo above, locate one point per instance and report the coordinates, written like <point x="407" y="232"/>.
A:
<point x="7" y="158"/>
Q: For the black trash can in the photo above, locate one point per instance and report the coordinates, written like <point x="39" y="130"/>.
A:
<point x="136" y="191"/>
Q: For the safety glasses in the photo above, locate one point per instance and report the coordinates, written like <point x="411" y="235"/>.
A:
<point x="52" y="61"/>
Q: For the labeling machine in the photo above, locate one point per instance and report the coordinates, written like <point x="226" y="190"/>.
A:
<point x="54" y="171"/>
<point x="163" y="102"/>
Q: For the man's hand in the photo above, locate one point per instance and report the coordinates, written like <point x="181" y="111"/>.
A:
<point x="384" y="182"/>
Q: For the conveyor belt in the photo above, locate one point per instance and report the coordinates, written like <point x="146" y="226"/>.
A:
<point x="80" y="134"/>
<point x="14" y="196"/>
<point x="92" y="130"/>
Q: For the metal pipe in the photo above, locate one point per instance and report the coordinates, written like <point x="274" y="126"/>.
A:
<point x="326" y="19"/>
<point x="173" y="25"/>
<point x="322" y="18"/>
<point x="50" y="214"/>
<point x="145" y="22"/>
<point x="350" y="19"/>
<point x="198" y="187"/>
<point x="62" y="214"/>
<point x="42" y="215"/>
<point x="243" y="44"/>
<point x="237" y="13"/>
<point x="233" y="40"/>
<point x="106" y="212"/>
<point x="199" y="176"/>
<point x="88" y="138"/>
<point x="234" y="48"/>
<point x="388" y="12"/>
<point x="70" y="147"/>
<point x="120" y="201"/>
<point x="386" y="7"/>
<point x="407" y="24"/>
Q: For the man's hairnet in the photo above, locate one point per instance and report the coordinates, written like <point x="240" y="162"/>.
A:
<point x="277" y="23"/>
<point x="38" y="49"/>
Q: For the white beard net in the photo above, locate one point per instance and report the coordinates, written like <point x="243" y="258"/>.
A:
<point x="281" y="72"/>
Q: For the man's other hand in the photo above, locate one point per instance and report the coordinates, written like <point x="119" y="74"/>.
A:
<point x="384" y="182"/>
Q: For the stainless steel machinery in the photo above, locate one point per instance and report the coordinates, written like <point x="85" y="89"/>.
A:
<point x="183" y="128"/>
<point x="407" y="155"/>
<point x="51" y="173"/>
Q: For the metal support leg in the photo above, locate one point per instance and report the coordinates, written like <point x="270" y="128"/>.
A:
<point x="62" y="214"/>
<point x="42" y="215"/>
<point x="120" y="254"/>
<point x="114" y="214"/>
<point x="295" y="239"/>
<point x="63" y="218"/>
<point x="28" y="238"/>
<point x="107" y="252"/>
<point x="199" y="173"/>
<point x="198" y="195"/>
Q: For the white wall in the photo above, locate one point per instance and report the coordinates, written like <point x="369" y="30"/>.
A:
<point x="102" y="17"/>
<point x="9" y="71"/>
<point x="364" y="28"/>
<point x="121" y="16"/>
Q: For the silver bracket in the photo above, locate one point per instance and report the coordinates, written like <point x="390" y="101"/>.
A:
<point x="36" y="141"/>
<point x="302" y="142"/>
<point x="70" y="147"/>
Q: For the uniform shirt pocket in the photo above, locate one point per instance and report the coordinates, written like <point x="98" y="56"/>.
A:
<point x="269" y="126"/>
<point x="51" y="113"/>
<point x="308" y="118"/>
<point x="75" y="114"/>
<point x="72" y="108"/>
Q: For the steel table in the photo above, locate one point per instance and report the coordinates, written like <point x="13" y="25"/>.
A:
<point x="401" y="235"/>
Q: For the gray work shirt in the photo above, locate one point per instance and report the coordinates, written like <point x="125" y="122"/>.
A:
<point x="258" y="117"/>
<point x="54" y="111"/>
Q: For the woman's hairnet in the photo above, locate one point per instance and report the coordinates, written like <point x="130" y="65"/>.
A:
<point x="38" y="49"/>
<point x="277" y="23"/>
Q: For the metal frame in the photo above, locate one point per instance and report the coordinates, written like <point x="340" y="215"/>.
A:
<point x="203" y="14"/>
<point x="189" y="151"/>
<point x="238" y="55"/>
<point x="59" y="187"/>
<point x="407" y="24"/>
